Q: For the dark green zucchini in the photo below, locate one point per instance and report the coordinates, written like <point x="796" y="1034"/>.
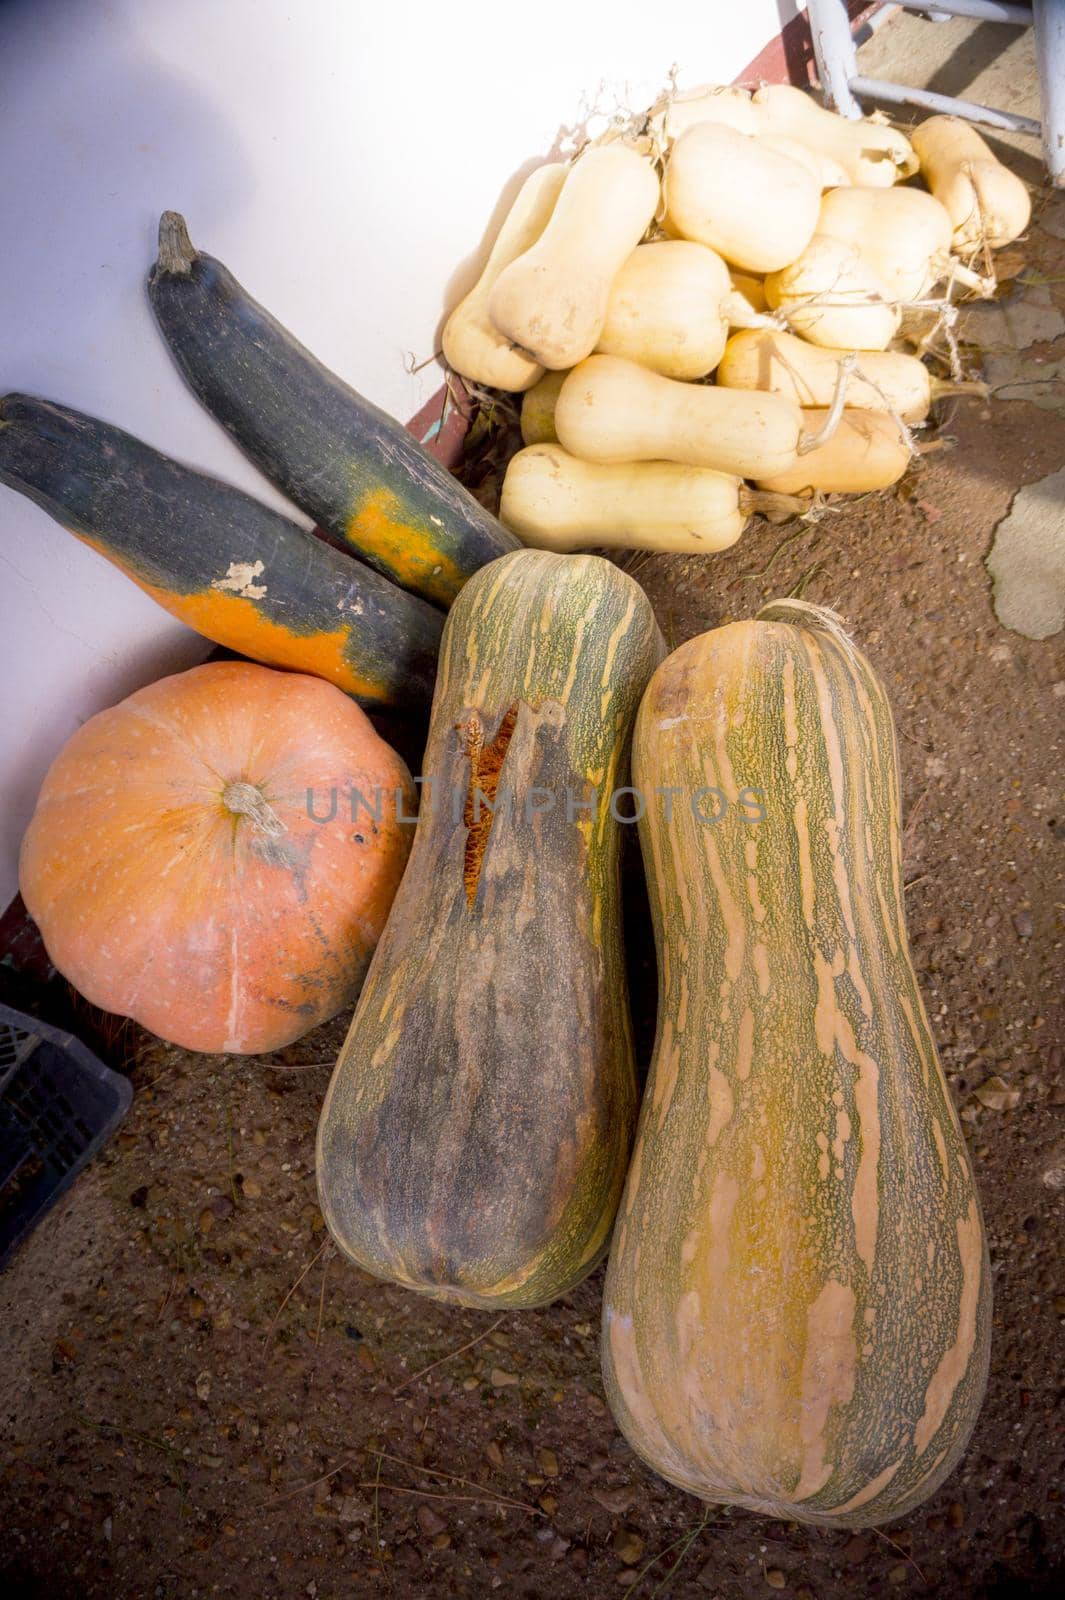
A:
<point x="236" y="571"/>
<point x="343" y="461"/>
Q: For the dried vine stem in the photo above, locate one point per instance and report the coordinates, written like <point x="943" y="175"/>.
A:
<point x="812" y="441"/>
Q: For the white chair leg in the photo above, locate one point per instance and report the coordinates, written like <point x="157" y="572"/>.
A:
<point x="834" y="52"/>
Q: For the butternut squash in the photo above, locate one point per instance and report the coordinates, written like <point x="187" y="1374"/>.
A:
<point x="866" y="451"/>
<point x="751" y="286"/>
<point x="903" y="234"/>
<point x="986" y="202"/>
<point x="752" y="205"/>
<point x="475" y="1135"/>
<point x="612" y="410"/>
<point x="824" y="169"/>
<point x="781" y="363"/>
<point x="538" y="409"/>
<point x="472" y="345"/>
<point x="797" y="1310"/>
<point x="665" y="309"/>
<point x="870" y="152"/>
<point x="831" y="295"/>
<point x="555" y="502"/>
<point x="724" y="103"/>
<point x="864" y="152"/>
<point x="552" y="300"/>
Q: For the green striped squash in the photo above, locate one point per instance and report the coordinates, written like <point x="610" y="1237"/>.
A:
<point x="798" y="1306"/>
<point x="476" y="1132"/>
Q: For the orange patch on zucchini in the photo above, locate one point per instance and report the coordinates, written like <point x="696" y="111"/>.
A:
<point x="236" y="622"/>
<point x="380" y="526"/>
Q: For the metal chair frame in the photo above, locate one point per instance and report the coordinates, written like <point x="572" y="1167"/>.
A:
<point x="837" y="66"/>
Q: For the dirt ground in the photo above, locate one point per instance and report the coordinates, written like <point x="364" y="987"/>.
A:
<point x="200" y="1398"/>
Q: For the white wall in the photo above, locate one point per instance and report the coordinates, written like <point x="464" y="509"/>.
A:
<point x="343" y="158"/>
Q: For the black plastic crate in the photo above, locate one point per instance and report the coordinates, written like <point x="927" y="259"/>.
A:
<point x="59" y="1105"/>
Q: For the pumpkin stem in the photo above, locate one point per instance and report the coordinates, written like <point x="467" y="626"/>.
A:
<point x="245" y="800"/>
<point x="804" y="614"/>
<point x="176" y="250"/>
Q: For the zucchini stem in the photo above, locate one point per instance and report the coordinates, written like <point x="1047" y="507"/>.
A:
<point x="177" y="253"/>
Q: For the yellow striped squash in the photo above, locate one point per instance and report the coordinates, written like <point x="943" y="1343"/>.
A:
<point x="476" y="1131"/>
<point x="797" y="1310"/>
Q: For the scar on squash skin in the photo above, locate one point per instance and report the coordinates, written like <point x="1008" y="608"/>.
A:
<point x="239" y="580"/>
<point x="486" y="764"/>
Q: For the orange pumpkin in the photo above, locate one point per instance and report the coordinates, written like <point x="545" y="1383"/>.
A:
<point x="178" y="874"/>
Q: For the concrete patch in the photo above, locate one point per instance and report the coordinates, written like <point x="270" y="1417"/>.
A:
<point x="1027" y="318"/>
<point x="1014" y="377"/>
<point x="1027" y="560"/>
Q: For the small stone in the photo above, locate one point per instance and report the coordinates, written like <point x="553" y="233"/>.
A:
<point x="203" y="1386"/>
<point x="504" y="1380"/>
<point x="1024" y="925"/>
<point x="956" y="1514"/>
<point x="776" y="1579"/>
<point x="1059" y="1305"/>
<point x="856" y="1549"/>
<point x="628" y="1546"/>
<point x="548" y="1462"/>
<point x="205" y="1221"/>
<point x="899" y="1573"/>
<point x="222" y="1206"/>
<point x="1054" y="1171"/>
<point x="196" y="1306"/>
<point x="442" y="1541"/>
<point x="494" y="1454"/>
<point x="626" y="1577"/>
<point x="351" y="1509"/>
<point x="548" y="1504"/>
<point x="615" y="1501"/>
<point x="430" y="1524"/>
<point x="214" y="1462"/>
<point x="471" y="1383"/>
<point x="583" y="1328"/>
<point x="364" y="1356"/>
<point x="252" y="1189"/>
<point x="997" y="1095"/>
<point x="558" y="1547"/>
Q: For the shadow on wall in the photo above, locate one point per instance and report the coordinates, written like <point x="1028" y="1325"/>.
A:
<point x="97" y="134"/>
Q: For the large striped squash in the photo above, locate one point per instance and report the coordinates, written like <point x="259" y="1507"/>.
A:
<point x="798" y="1305"/>
<point x="475" y="1135"/>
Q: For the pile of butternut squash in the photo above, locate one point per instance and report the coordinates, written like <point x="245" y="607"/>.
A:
<point x="712" y="300"/>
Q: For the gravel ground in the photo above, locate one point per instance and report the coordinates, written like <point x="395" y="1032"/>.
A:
<point x="199" y="1397"/>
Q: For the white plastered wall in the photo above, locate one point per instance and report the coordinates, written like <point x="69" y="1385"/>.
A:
<point x="345" y="159"/>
